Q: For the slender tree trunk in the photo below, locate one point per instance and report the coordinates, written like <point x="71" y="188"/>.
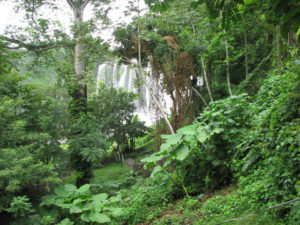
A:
<point x="227" y="64"/>
<point x="246" y="53"/>
<point x="227" y="59"/>
<point x="279" y="49"/>
<point x="200" y="96"/>
<point x="205" y="76"/>
<point x="206" y="80"/>
<point x="141" y="73"/>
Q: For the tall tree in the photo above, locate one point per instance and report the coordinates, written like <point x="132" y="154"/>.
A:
<point x="80" y="43"/>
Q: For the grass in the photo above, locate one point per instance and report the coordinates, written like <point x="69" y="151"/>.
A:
<point x="113" y="172"/>
<point x="141" y="152"/>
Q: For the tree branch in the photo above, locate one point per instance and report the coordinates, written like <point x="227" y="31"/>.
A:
<point x="31" y="47"/>
<point x="71" y="3"/>
<point x="85" y="3"/>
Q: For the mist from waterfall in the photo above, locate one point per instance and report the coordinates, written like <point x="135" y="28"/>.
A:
<point x="123" y="76"/>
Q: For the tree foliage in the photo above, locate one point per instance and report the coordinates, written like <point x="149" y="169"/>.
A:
<point x="114" y="109"/>
<point x="29" y="134"/>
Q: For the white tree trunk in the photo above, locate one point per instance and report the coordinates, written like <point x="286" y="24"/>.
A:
<point x="79" y="61"/>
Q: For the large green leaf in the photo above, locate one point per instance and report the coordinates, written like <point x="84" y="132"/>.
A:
<point x="66" y="221"/>
<point x="182" y="153"/>
<point x="88" y="206"/>
<point x="116" y="211"/>
<point x="156" y="170"/>
<point x="165" y="136"/>
<point x="70" y="187"/>
<point x="163" y="149"/>
<point x="167" y="162"/>
<point x="60" y="191"/>
<point x="189" y="138"/>
<point x="48" y="200"/>
<point x="99" y="217"/>
<point x="173" y="139"/>
<point x="85" y="217"/>
<point x="100" y="197"/>
<point x="78" y="201"/>
<point x="84" y="188"/>
<point x="188" y="130"/>
<point x="152" y="158"/>
<point x="202" y="134"/>
<point x="97" y="205"/>
<point x="61" y="203"/>
<point x="149" y="165"/>
<point x="75" y="209"/>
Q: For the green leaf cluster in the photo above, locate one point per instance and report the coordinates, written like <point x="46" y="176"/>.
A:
<point x="78" y="205"/>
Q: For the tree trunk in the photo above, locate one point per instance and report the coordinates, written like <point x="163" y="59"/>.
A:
<point x="279" y="49"/>
<point x="206" y="80"/>
<point x="246" y="53"/>
<point x="227" y="64"/>
<point x="78" y="91"/>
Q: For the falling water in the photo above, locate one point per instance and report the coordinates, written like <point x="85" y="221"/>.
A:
<point x="116" y="75"/>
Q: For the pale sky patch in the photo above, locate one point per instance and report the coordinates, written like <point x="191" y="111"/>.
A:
<point x="64" y="15"/>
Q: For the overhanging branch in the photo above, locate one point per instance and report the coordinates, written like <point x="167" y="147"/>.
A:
<point x="32" y="47"/>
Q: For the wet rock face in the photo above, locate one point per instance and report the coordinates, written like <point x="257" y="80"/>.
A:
<point x="130" y="162"/>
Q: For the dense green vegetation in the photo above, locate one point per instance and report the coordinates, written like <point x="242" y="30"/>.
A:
<point x="74" y="152"/>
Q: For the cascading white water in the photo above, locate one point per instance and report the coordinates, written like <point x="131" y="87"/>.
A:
<point x="117" y="76"/>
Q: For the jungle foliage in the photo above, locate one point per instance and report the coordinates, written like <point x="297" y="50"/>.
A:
<point x="232" y="71"/>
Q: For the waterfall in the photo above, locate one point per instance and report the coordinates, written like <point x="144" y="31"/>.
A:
<point x="118" y="75"/>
